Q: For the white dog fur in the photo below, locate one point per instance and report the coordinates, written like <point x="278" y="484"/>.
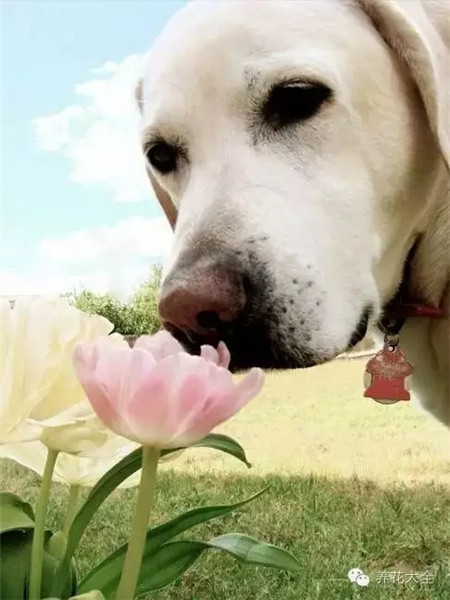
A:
<point x="340" y="199"/>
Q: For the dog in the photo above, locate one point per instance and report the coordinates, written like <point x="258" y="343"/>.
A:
<point x="301" y="151"/>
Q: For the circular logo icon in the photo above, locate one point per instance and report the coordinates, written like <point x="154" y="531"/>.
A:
<point x="354" y="573"/>
<point x="362" y="580"/>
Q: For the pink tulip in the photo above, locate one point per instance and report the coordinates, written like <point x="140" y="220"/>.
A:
<point x="163" y="344"/>
<point x="157" y="394"/>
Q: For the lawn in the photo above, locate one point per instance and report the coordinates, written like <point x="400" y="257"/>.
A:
<point x="353" y="484"/>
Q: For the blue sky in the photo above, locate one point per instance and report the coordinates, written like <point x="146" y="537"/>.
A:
<point x="73" y="189"/>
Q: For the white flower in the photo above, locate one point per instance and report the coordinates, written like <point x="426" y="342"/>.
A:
<point x="41" y="397"/>
<point x="73" y="470"/>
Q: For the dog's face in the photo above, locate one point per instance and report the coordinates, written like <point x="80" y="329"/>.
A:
<point x="289" y="137"/>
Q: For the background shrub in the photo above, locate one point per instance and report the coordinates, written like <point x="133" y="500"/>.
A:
<point x="137" y="316"/>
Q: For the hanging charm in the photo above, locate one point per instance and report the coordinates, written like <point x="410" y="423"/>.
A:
<point x="387" y="373"/>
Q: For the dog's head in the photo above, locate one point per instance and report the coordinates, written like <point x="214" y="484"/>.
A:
<point x="296" y="152"/>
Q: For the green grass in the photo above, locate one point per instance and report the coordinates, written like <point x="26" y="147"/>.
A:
<point x="353" y="484"/>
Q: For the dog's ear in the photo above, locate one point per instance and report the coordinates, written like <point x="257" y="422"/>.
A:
<point x="408" y="29"/>
<point x="163" y="197"/>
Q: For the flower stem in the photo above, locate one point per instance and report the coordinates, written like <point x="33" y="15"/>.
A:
<point x="144" y="502"/>
<point x="37" y="548"/>
<point x="72" y="505"/>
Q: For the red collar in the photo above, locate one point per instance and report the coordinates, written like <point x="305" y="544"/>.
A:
<point x="396" y="313"/>
<point x="404" y="310"/>
<point x="403" y="307"/>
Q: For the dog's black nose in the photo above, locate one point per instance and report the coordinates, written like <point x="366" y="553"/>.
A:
<point x="202" y="303"/>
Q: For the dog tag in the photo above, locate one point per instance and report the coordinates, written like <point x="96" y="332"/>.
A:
<point x="387" y="374"/>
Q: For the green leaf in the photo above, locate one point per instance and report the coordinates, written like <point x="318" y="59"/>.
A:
<point x="106" y="575"/>
<point x="171" y="560"/>
<point x="14" y="564"/>
<point x="92" y="595"/>
<point x="168" y="563"/>
<point x="113" y="478"/>
<point x="224" y="443"/>
<point x="15" y="557"/>
<point x="251" y="551"/>
<point x="15" y="514"/>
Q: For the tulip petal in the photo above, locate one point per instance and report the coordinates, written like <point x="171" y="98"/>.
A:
<point x="250" y="386"/>
<point x="160" y="345"/>
<point x="191" y="393"/>
<point x="70" y="469"/>
<point x="74" y="438"/>
<point x="112" y="366"/>
<point x="80" y="412"/>
<point x="214" y="411"/>
<point x="140" y="368"/>
<point x="67" y="326"/>
<point x="95" y="388"/>
<point x="27" y="431"/>
<point x="209" y="353"/>
<point x="147" y="413"/>
<point x="220" y="357"/>
<point x="224" y="355"/>
<point x="191" y="396"/>
<point x="223" y="402"/>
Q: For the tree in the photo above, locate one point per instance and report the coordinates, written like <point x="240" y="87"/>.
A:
<point x="144" y="304"/>
<point x="136" y="317"/>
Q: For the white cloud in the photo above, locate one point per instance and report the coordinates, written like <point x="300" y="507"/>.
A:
<point x="99" y="136"/>
<point x="121" y="253"/>
<point x="37" y="282"/>
<point x="55" y="132"/>
<point x="108" y="259"/>
<point x="135" y="237"/>
<point x="49" y="282"/>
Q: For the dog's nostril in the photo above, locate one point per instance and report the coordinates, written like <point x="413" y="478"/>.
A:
<point x="209" y="319"/>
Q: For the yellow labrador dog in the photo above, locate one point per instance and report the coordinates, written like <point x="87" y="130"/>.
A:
<point x="303" y="149"/>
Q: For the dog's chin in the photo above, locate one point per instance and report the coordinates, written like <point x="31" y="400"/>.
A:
<point x="263" y="351"/>
<point x="275" y="357"/>
<point x="257" y="344"/>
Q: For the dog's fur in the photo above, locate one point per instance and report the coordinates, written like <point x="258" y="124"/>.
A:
<point x="321" y="216"/>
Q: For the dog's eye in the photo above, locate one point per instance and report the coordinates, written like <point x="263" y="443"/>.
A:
<point x="292" y="102"/>
<point x="163" y="157"/>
